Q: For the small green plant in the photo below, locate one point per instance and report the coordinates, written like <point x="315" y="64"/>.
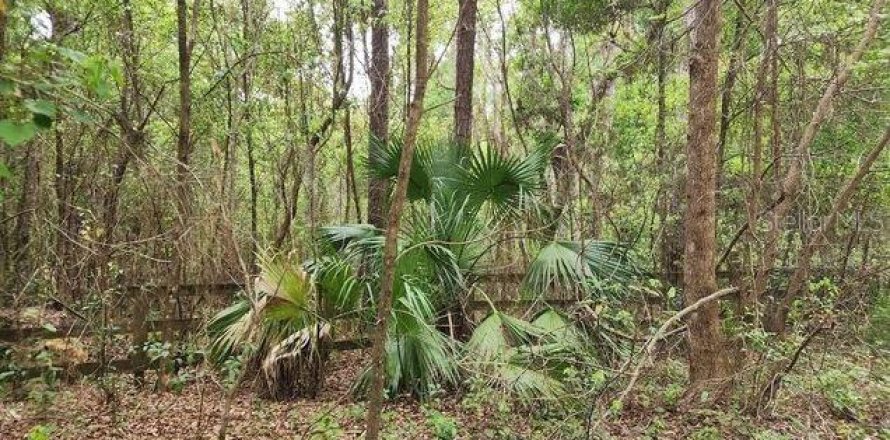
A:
<point x="326" y="427"/>
<point x="40" y="432"/>
<point x="443" y="427"/>
<point x="769" y="434"/>
<point x="706" y="433"/>
<point x="837" y="388"/>
<point x="655" y="428"/>
<point x="178" y="382"/>
<point x="878" y="332"/>
<point x="42" y="390"/>
<point x="672" y="394"/>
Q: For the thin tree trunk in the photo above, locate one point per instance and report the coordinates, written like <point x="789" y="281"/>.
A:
<point x="183" y="139"/>
<point x="778" y="314"/>
<point x="747" y="299"/>
<point x="791" y="183"/>
<point x="249" y="34"/>
<point x="352" y="186"/>
<point x="670" y="249"/>
<point x="464" y="68"/>
<point x="384" y="306"/>
<point x="378" y="113"/>
<point x="708" y="359"/>
<point x="735" y="60"/>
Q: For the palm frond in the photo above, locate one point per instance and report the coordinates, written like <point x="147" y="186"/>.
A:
<point x="503" y="183"/>
<point x="567" y="264"/>
<point x="297" y="355"/>
<point x="383" y="163"/>
<point x="230" y="328"/>
<point x="418" y="356"/>
<point x="503" y="349"/>
<point x="339" y="236"/>
<point x="339" y="288"/>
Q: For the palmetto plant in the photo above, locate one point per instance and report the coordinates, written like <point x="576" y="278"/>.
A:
<point x="287" y="321"/>
<point x="459" y="201"/>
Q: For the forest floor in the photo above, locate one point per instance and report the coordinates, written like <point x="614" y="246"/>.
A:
<point x="828" y="396"/>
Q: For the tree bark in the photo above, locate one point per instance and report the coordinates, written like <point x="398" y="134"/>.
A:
<point x="708" y="360"/>
<point x="464" y="68"/>
<point x="183" y="140"/>
<point x="378" y="113"/>
<point x="390" y="248"/>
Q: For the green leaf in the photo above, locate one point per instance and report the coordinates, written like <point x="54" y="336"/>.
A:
<point x="6" y="87"/>
<point x="83" y="117"/>
<point x="41" y="107"/>
<point x="72" y="54"/>
<point x="44" y="112"/>
<point x="4" y="172"/>
<point x="15" y="133"/>
<point x="49" y="327"/>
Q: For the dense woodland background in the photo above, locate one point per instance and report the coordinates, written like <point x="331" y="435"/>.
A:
<point x="692" y="182"/>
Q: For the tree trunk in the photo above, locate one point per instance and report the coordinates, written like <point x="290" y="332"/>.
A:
<point x="351" y="184"/>
<point x="248" y="34"/>
<point x="464" y="68"/>
<point x="183" y="144"/>
<point x="390" y="248"/>
<point x="708" y="360"/>
<point x="735" y="59"/>
<point x="378" y="113"/>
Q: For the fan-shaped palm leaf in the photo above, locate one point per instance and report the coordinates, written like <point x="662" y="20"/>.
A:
<point x="383" y="163"/>
<point x="567" y="264"/>
<point x="499" y="350"/>
<point x="503" y="183"/>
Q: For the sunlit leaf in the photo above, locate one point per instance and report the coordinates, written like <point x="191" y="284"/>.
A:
<point x="15" y="133"/>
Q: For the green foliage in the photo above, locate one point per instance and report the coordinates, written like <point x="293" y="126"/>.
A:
<point x="526" y="359"/>
<point x="569" y="264"/>
<point x="838" y="389"/>
<point x="769" y="434"/>
<point x="672" y="394"/>
<point x="40" y="432"/>
<point x="442" y="426"/>
<point x="286" y="324"/>
<point x="706" y="433"/>
<point x="878" y="331"/>
<point x="14" y="133"/>
<point x="326" y="427"/>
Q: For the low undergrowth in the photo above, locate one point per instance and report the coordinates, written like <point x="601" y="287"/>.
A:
<point x="828" y="395"/>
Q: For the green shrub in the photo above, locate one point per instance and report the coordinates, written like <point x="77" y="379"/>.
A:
<point x="878" y="332"/>
<point x="837" y="388"/>
<point x="40" y="432"/>
<point x="443" y="426"/>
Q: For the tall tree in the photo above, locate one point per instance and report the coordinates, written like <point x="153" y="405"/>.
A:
<point x="463" y="76"/>
<point x="183" y="138"/>
<point x="390" y="247"/>
<point x="249" y="33"/>
<point x="707" y="356"/>
<point x="378" y="111"/>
